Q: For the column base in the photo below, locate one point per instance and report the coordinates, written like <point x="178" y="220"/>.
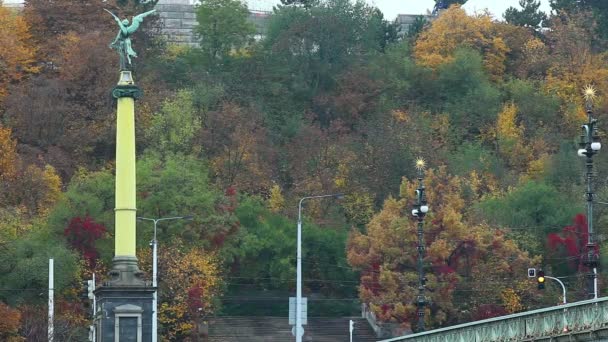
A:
<point x="126" y="273"/>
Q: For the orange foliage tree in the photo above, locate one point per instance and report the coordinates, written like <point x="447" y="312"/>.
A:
<point x="467" y="265"/>
<point x="454" y="29"/>
<point x="10" y="323"/>
<point x="8" y="154"/>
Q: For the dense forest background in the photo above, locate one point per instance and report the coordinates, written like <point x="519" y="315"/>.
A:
<point x="333" y="99"/>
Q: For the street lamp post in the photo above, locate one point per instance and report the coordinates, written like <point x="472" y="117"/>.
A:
<point x="419" y="211"/>
<point x="299" y="332"/>
<point x="154" y="244"/>
<point x="589" y="146"/>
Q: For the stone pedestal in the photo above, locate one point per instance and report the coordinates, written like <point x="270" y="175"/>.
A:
<point x="124" y="313"/>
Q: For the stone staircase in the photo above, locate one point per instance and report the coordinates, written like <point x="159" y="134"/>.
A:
<point x="277" y="329"/>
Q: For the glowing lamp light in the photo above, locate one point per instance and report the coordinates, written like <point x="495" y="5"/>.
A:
<point x="582" y="152"/>
<point x="415" y="212"/>
<point x="424" y="209"/>
<point x="596" y="146"/>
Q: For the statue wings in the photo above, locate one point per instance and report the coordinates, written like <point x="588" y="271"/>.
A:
<point x="114" y="15"/>
<point x="137" y="20"/>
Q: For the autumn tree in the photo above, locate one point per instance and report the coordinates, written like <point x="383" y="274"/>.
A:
<point x="190" y="287"/>
<point x="11" y="322"/>
<point x="508" y="135"/>
<point x="81" y="234"/>
<point x="454" y="29"/>
<point x="462" y="258"/>
<point x="64" y="115"/>
<point x="237" y="144"/>
<point x="53" y="21"/>
<point x="17" y="53"/>
<point x="8" y="154"/>
<point x="574" y="65"/>
<point x="28" y="189"/>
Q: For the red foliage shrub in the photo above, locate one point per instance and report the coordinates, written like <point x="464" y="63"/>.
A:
<point x="81" y="234"/>
<point x="572" y="240"/>
<point x="195" y="300"/>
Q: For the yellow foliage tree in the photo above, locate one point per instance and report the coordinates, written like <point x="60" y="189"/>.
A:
<point x="454" y="29"/>
<point x="509" y="138"/>
<point x="189" y="289"/>
<point x="16" y="52"/>
<point x="511" y="301"/>
<point x="38" y="189"/>
<point x="276" y="202"/>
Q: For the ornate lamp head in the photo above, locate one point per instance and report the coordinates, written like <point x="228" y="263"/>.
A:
<point x="420" y="165"/>
<point x="590" y="95"/>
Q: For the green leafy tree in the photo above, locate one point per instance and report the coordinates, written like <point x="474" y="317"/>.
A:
<point x="534" y="206"/>
<point x="169" y="185"/>
<point x="24" y="267"/>
<point x="223" y="27"/>
<point x="262" y="256"/>
<point x="443" y="4"/>
<point x="175" y="126"/>
<point x="308" y="49"/>
<point x="467" y="95"/>
<point x="304" y="3"/>
<point x="599" y="8"/>
<point x="528" y="16"/>
<point x="416" y="27"/>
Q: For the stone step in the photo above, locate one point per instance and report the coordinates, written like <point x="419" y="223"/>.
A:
<point x="271" y="329"/>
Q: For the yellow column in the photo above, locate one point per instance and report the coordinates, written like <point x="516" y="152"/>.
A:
<point x="125" y="211"/>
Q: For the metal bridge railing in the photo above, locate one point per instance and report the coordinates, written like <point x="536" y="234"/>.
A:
<point x="583" y="316"/>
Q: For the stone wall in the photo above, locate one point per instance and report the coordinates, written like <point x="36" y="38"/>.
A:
<point x="179" y="20"/>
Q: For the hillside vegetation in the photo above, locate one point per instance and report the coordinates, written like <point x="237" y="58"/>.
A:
<point x="333" y="99"/>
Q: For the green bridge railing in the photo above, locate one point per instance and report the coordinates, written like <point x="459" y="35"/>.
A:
<point x="568" y="319"/>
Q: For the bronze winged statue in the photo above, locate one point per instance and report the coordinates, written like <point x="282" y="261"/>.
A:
<point x="122" y="42"/>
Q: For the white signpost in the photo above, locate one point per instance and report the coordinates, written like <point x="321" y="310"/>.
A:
<point x="292" y="314"/>
<point x="292" y="310"/>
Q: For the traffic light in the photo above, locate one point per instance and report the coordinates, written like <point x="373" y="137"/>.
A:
<point x="90" y="289"/>
<point x="540" y="278"/>
<point x="83" y="292"/>
<point x="87" y="289"/>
